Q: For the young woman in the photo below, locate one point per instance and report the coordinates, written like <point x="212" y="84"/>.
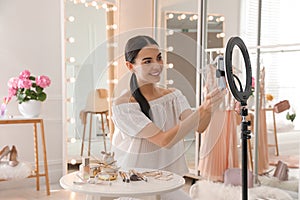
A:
<point x="150" y="121"/>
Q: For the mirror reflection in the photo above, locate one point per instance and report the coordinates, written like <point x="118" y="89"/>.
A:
<point x="86" y="76"/>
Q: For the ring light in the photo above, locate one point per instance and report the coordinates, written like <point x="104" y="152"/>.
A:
<point x="241" y="94"/>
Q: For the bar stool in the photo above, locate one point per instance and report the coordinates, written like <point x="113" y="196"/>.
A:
<point x="97" y="104"/>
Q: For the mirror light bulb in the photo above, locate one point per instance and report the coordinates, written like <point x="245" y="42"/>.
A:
<point x="104" y="6"/>
<point x="114" y="26"/>
<point x="71" y="100"/>
<point x="71" y="120"/>
<point x="73" y="161"/>
<point x="170" y="49"/>
<point x="94" y="3"/>
<point x="71" y="80"/>
<point x="170" y="65"/>
<point x="73" y="140"/>
<point x="210" y="18"/>
<point x="114" y="8"/>
<point x="115" y="63"/>
<point x="71" y="39"/>
<point x="170" y="82"/>
<point x="182" y="16"/>
<point x="170" y="32"/>
<point x="71" y="59"/>
<point x="71" y="18"/>
<point x="170" y="16"/>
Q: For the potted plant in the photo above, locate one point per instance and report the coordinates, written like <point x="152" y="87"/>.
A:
<point x="29" y="90"/>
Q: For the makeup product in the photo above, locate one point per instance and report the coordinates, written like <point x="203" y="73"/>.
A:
<point x="84" y="168"/>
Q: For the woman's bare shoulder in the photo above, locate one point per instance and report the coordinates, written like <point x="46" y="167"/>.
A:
<point x="124" y="98"/>
<point x="165" y="91"/>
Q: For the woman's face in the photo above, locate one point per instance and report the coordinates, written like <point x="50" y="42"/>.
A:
<point x="148" y="65"/>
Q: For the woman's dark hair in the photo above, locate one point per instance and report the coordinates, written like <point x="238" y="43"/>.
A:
<point x="132" y="48"/>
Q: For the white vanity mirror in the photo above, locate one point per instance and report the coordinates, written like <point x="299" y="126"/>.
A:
<point x="181" y="45"/>
<point x="86" y="75"/>
<point x="180" y="41"/>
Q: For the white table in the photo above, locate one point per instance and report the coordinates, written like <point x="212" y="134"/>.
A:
<point x="118" y="188"/>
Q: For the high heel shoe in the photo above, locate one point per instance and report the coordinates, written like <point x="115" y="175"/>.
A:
<point x="13" y="157"/>
<point x="4" y="152"/>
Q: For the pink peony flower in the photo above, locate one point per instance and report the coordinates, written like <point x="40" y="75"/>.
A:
<point x="12" y="92"/>
<point x="13" y="82"/>
<point x="24" y="83"/>
<point x="43" y="81"/>
<point x="24" y="74"/>
<point x="27" y="87"/>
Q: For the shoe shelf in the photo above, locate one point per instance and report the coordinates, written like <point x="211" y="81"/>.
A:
<point x="36" y="122"/>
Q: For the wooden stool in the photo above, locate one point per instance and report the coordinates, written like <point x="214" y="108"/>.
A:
<point x="96" y="104"/>
<point x="104" y="113"/>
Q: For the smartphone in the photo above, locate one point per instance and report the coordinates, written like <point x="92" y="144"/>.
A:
<point x="221" y="73"/>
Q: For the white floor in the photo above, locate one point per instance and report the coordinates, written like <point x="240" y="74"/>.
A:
<point x="288" y="145"/>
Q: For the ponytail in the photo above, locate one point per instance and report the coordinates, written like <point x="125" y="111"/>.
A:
<point x="139" y="97"/>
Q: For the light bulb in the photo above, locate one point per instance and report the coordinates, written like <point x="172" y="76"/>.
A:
<point x="170" y="82"/>
<point x="114" y="81"/>
<point x="94" y="3"/>
<point x="73" y="161"/>
<point x="114" y="8"/>
<point x="220" y="35"/>
<point x="210" y="18"/>
<point x="71" y="18"/>
<point x="104" y="6"/>
<point x="71" y="80"/>
<point x="73" y="140"/>
<point x="71" y="100"/>
<point x="170" y="49"/>
<point x="170" y="65"/>
<point x="170" y="16"/>
<point x="71" y="59"/>
<point x="115" y="63"/>
<point x="71" y="39"/>
<point x="170" y="32"/>
<point x="71" y="120"/>
<point x="114" y="26"/>
<point x="222" y="19"/>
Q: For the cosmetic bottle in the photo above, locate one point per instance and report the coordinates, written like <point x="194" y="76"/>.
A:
<point x="84" y="168"/>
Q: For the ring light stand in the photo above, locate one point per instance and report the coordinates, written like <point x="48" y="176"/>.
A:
<point x="240" y="94"/>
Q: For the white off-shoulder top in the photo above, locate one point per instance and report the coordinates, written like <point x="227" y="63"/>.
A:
<point x="131" y="148"/>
